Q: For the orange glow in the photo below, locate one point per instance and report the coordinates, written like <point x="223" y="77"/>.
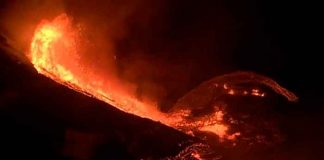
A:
<point x="54" y="53"/>
<point x="256" y="92"/>
<point x="231" y="92"/>
<point x="218" y="127"/>
<point x="225" y="86"/>
<point x="196" y="155"/>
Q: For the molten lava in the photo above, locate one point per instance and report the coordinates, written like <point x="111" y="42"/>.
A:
<point x="55" y="53"/>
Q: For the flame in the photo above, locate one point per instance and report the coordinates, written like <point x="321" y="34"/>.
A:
<point x="54" y="53"/>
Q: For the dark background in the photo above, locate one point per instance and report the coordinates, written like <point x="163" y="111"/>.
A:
<point x="169" y="48"/>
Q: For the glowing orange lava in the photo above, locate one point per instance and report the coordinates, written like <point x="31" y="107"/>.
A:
<point x="54" y="53"/>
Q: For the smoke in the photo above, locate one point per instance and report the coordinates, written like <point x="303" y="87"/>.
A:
<point x="20" y="18"/>
<point x="154" y="49"/>
<point x="107" y="26"/>
<point x="102" y="24"/>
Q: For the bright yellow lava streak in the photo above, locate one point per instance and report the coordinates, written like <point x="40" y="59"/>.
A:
<point x="54" y="54"/>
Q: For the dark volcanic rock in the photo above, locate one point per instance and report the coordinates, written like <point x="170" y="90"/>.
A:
<point x="43" y="119"/>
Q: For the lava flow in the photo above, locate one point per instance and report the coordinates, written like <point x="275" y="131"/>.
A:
<point x="55" y="52"/>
